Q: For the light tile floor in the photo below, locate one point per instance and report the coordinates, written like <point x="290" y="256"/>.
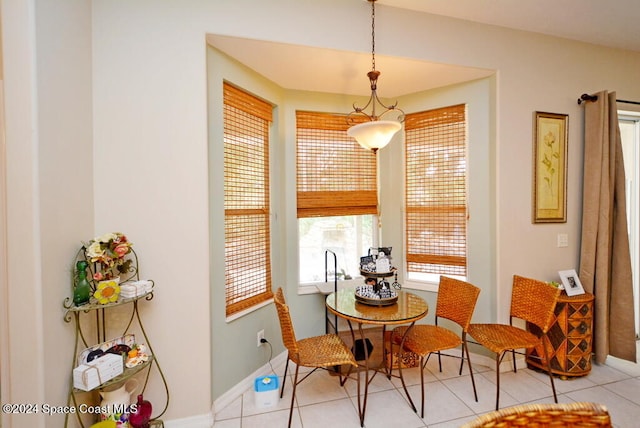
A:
<point x="321" y="402"/>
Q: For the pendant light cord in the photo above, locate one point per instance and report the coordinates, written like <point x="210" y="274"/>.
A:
<point x="373" y="34"/>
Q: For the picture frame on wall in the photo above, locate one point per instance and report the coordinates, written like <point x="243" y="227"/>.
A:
<point x="571" y="282"/>
<point x="550" y="167"/>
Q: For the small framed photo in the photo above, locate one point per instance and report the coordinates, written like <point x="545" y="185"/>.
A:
<point x="571" y="282"/>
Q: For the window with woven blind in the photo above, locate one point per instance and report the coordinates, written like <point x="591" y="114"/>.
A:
<point x="337" y="197"/>
<point x="436" y="192"/>
<point x="335" y="176"/>
<point x="246" y="200"/>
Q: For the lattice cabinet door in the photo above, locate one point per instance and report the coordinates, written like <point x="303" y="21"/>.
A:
<point x="570" y="337"/>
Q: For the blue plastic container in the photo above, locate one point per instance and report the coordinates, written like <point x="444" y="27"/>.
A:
<point x="266" y="391"/>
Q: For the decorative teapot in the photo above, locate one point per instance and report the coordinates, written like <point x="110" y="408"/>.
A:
<point x="115" y="404"/>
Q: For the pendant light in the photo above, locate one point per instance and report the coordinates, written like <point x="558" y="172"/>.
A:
<point x="375" y="133"/>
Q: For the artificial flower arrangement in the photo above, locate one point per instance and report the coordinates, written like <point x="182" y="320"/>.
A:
<point x="108" y="255"/>
<point x="108" y="252"/>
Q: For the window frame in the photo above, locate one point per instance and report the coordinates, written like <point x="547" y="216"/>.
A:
<point x="632" y="170"/>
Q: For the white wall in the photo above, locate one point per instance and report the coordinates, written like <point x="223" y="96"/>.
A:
<point x="150" y="160"/>
<point x="150" y="91"/>
<point x="49" y="199"/>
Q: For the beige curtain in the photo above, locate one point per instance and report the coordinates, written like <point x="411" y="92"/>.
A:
<point x="605" y="263"/>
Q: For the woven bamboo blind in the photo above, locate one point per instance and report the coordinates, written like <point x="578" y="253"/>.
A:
<point x="436" y="191"/>
<point x="335" y="176"/>
<point x="246" y="200"/>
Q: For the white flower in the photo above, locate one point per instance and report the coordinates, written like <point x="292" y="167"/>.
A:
<point x="106" y="238"/>
<point x="95" y="250"/>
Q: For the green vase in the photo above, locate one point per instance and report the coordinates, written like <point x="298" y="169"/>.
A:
<point x="82" y="291"/>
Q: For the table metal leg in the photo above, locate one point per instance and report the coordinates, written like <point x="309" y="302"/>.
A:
<point x="362" y="398"/>
<point x="401" y="350"/>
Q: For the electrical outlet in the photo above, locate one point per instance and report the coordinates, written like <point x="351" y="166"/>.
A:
<point x="260" y="336"/>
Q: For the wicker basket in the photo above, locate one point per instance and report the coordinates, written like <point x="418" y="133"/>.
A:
<point x="545" y="415"/>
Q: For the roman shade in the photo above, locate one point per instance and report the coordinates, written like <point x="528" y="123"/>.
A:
<point x="436" y="191"/>
<point x="335" y="176"/>
<point x="246" y="200"/>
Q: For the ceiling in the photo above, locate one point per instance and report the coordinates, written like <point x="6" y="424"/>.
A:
<point x="340" y="72"/>
<point x="612" y="23"/>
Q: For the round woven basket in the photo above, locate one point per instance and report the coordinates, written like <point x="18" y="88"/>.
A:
<point x="546" y="415"/>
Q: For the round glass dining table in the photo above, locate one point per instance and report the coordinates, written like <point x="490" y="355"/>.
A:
<point x="408" y="309"/>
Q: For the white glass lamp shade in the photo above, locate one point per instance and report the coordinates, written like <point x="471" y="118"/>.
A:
<point x="374" y="135"/>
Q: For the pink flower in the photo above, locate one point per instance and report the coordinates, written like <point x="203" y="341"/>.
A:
<point x="98" y="276"/>
<point x="121" y="250"/>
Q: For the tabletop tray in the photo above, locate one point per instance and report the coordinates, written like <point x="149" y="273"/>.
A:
<point x="376" y="302"/>
<point x="368" y="274"/>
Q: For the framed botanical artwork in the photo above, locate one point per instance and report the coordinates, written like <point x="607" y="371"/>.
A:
<point x="550" y="168"/>
<point x="571" y="282"/>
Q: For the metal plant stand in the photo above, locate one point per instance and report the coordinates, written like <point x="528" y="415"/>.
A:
<point x="88" y="330"/>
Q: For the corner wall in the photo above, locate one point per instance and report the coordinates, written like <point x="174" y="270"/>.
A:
<point x="49" y="192"/>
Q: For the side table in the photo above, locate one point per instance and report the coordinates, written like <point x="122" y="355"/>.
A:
<point x="570" y="337"/>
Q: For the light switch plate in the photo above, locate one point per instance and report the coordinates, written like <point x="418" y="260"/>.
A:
<point x="563" y="240"/>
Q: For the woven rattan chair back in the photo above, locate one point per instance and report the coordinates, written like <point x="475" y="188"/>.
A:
<point x="286" y="325"/>
<point x="546" y="415"/>
<point x="456" y="301"/>
<point x="534" y="301"/>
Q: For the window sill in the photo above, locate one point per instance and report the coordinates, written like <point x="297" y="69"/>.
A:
<point x="327" y="287"/>
<point x="421" y="286"/>
<point x="248" y="310"/>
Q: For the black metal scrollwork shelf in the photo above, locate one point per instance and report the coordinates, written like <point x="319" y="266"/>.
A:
<point x="99" y="328"/>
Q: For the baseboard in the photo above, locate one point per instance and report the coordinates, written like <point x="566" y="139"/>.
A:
<point x="208" y="420"/>
<point x="247" y="383"/>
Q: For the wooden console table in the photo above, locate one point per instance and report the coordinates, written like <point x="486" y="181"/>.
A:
<point x="570" y="337"/>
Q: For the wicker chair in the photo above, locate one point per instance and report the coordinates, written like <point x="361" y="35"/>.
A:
<point x="543" y="415"/>
<point x="326" y="351"/>
<point x="532" y="301"/>
<point x="456" y="302"/>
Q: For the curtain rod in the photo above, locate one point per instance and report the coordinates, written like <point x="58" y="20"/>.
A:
<point x="587" y="97"/>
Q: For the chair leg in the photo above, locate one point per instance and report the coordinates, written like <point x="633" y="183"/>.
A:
<point x="360" y="408"/>
<point x="465" y="349"/>
<point x="546" y="357"/>
<point x="422" y="364"/>
<point x="293" y="394"/>
<point x="343" y="378"/>
<point x="284" y="378"/>
<point x="498" y="381"/>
